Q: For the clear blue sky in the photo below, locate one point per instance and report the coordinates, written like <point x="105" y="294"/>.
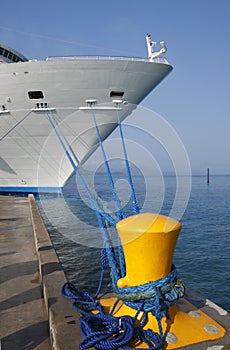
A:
<point x="194" y="98"/>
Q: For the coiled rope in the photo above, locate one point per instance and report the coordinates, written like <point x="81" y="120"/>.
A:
<point x="105" y="331"/>
<point x="169" y="288"/>
<point x="102" y="331"/>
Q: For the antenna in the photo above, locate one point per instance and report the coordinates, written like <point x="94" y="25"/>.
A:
<point x="150" y="46"/>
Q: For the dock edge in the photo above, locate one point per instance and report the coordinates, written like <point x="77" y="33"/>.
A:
<point x="63" y="320"/>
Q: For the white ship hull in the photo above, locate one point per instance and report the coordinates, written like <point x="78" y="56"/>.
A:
<point x="31" y="157"/>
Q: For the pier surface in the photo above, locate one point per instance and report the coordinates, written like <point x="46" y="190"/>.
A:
<point x="34" y="315"/>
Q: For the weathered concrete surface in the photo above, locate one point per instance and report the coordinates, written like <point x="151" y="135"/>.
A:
<point x="34" y="315"/>
<point x="24" y="323"/>
<point x="63" y="320"/>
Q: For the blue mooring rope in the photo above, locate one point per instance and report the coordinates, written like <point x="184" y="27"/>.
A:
<point x="120" y="213"/>
<point x="170" y="288"/>
<point x="99" y="213"/>
<point x="105" y="331"/>
<point x="13" y="127"/>
<point x="66" y="148"/>
<point x="136" y="209"/>
<point x="154" y="297"/>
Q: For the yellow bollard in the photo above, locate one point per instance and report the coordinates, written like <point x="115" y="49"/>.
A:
<point x="148" y="242"/>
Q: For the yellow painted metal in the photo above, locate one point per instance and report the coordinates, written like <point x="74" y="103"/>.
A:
<point x="148" y="242"/>
<point x="185" y="326"/>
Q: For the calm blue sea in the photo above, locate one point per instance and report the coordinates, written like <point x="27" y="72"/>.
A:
<point x="202" y="254"/>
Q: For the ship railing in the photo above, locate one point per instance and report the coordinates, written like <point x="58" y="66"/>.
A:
<point x="112" y="58"/>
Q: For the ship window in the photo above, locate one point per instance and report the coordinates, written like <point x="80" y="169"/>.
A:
<point x="116" y="93"/>
<point x="14" y="58"/>
<point x="5" y="53"/>
<point x="35" y="94"/>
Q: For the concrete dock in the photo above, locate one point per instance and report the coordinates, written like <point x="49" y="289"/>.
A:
<point x="34" y="315"/>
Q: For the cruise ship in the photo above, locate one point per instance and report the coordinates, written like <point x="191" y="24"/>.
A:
<point x="37" y="97"/>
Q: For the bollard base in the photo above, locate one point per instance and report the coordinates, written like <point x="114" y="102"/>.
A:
<point x="187" y="324"/>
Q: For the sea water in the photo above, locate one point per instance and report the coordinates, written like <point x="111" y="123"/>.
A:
<point x="202" y="252"/>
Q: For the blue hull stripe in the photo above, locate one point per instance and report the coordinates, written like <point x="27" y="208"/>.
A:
<point x="36" y="190"/>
